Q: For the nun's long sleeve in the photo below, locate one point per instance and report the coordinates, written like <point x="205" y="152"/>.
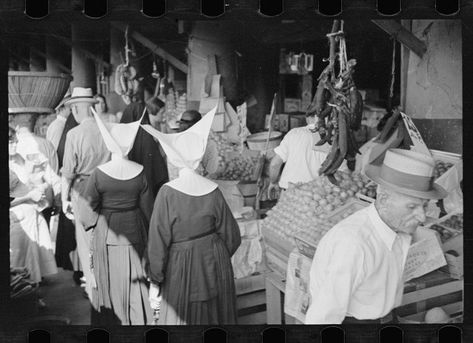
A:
<point x="159" y="238"/>
<point x="226" y="225"/>
<point x="89" y="203"/>
<point x="146" y="202"/>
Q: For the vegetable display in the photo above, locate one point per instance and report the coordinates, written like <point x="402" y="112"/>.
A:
<point x="304" y="209"/>
<point x="233" y="165"/>
<point x="441" y="168"/>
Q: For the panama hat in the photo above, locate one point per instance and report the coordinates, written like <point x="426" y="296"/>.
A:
<point x="80" y="94"/>
<point x="407" y="172"/>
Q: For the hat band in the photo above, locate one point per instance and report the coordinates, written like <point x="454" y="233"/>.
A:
<point x="404" y="180"/>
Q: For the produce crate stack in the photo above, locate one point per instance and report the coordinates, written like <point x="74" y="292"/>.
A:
<point x="304" y="211"/>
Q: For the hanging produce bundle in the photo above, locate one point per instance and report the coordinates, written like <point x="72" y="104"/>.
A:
<point x="304" y="209"/>
<point x="126" y="81"/>
<point x="338" y="105"/>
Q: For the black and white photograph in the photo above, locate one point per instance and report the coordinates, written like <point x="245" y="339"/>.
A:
<point x="235" y="171"/>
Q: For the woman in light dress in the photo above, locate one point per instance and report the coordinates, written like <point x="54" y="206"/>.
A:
<point x="30" y="241"/>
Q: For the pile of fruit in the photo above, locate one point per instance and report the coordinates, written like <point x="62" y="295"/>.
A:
<point x="232" y="163"/>
<point x="239" y="168"/>
<point x="441" y="168"/>
<point x="369" y="190"/>
<point x="454" y="222"/>
<point x="449" y="227"/>
<point x="304" y="209"/>
<point x="445" y="234"/>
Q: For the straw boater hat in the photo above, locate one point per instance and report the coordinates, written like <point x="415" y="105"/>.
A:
<point x="119" y="139"/>
<point x="80" y="94"/>
<point x="185" y="151"/>
<point x="407" y="172"/>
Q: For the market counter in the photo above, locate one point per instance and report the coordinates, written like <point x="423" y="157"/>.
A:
<point x="431" y="290"/>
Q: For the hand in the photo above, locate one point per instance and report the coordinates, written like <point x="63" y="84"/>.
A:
<point x="154" y="296"/>
<point x="273" y="191"/>
<point x="36" y="195"/>
<point x="67" y="209"/>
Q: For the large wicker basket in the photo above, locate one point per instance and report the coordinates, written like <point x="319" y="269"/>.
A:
<point x="35" y="92"/>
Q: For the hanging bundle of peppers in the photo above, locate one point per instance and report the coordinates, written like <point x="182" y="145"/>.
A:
<point x="338" y="105"/>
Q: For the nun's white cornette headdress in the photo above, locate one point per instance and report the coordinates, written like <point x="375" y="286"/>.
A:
<point x="119" y="139"/>
<point x="185" y="151"/>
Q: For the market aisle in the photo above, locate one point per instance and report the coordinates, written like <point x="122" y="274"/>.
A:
<point x="64" y="298"/>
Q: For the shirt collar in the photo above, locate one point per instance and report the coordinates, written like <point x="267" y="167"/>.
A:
<point x="387" y="235"/>
<point x="88" y="119"/>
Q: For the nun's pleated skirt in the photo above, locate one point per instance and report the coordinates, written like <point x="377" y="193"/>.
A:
<point x="199" y="286"/>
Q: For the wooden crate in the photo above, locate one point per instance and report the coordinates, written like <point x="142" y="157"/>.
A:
<point x="270" y="238"/>
<point x="251" y="299"/>
<point x="276" y="261"/>
<point x="455" y="311"/>
<point x="436" y="290"/>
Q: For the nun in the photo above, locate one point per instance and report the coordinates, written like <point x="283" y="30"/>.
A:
<point x="120" y="205"/>
<point x="192" y="237"/>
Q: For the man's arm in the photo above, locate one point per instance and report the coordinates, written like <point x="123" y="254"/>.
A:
<point x="275" y="168"/>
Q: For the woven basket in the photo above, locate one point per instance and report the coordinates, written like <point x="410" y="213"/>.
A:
<point x="35" y="92"/>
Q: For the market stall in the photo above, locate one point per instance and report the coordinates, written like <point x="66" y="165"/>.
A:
<point x="348" y="87"/>
<point x="292" y="229"/>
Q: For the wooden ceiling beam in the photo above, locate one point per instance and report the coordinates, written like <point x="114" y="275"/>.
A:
<point x="403" y="36"/>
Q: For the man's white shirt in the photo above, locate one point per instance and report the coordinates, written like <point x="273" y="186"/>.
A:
<point x="55" y="130"/>
<point x="302" y="161"/>
<point x="357" y="270"/>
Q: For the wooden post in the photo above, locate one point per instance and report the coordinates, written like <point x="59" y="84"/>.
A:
<point x="83" y="68"/>
<point x="37" y="63"/>
<point x="56" y="57"/>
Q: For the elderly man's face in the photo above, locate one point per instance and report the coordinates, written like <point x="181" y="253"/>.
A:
<point x="403" y="213"/>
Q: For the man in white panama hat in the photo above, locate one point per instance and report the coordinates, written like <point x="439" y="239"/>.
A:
<point x="84" y="151"/>
<point x="357" y="272"/>
<point x="55" y="129"/>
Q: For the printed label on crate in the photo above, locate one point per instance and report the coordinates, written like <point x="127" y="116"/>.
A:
<point x="297" y="295"/>
<point x="424" y="256"/>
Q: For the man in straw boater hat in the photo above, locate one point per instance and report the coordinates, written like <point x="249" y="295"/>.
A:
<point x="357" y="271"/>
<point x="66" y="252"/>
<point x="55" y="129"/>
<point x="84" y="151"/>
